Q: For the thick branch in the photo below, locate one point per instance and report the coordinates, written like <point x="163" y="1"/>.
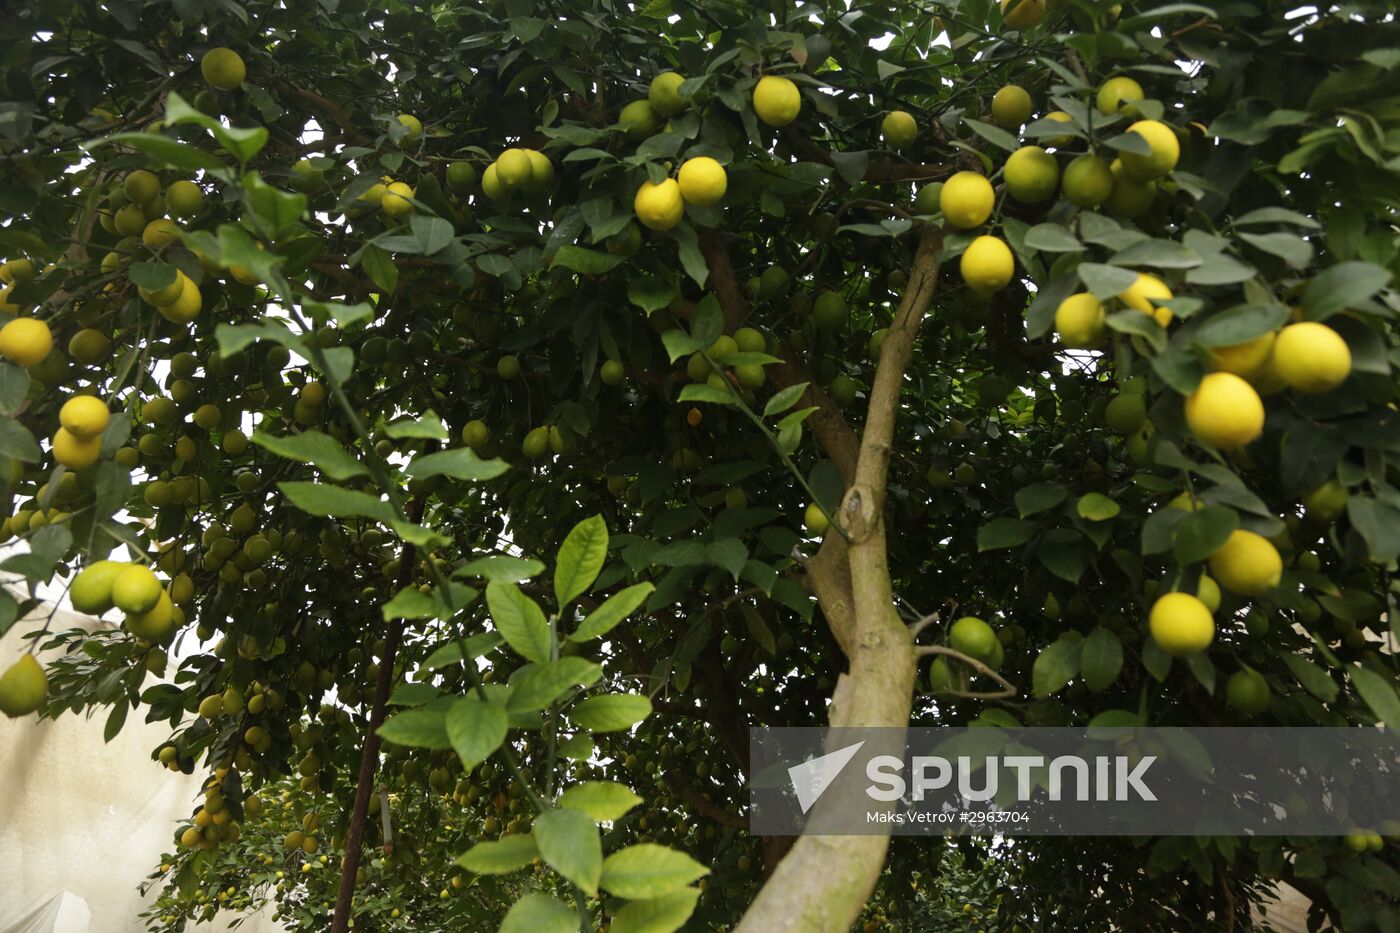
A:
<point x="726" y="285"/>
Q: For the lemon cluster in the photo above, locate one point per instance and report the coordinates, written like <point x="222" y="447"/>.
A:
<point x="524" y="170"/>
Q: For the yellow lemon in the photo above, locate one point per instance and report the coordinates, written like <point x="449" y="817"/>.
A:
<point x="84" y="416"/>
<point x="395" y="202"/>
<point x="17" y="270"/>
<point x="664" y="94"/>
<point x="1088" y="181"/>
<point x="184" y="198"/>
<point x="1247" y="564"/>
<point x="160" y="233"/>
<point x="1141" y="295"/>
<point x="1031" y="175"/>
<point x="76" y="453"/>
<point x="23" y="687"/>
<point x="130" y="220"/>
<point x="513" y="168"/>
<point x="1166" y="150"/>
<point x="1059" y="116"/>
<point x="966" y="200"/>
<point x="25" y="341"/>
<point x="987" y="264"/>
<point x="1022" y="14"/>
<point x="1117" y="94"/>
<point x="702" y="181"/>
<point x="164" y="296"/>
<point x="1225" y="411"/>
<point x="1246" y="360"/>
<point x="414" y="125"/>
<point x="223" y="68"/>
<point x="1311" y="357"/>
<point x="1079" y="320"/>
<point x="491" y="184"/>
<point x="899" y="129"/>
<point x="154" y="623"/>
<point x="816" y="520"/>
<point x="541" y="171"/>
<point x="91" y="592"/>
<point x="1011" y="106"/>
<point x="1181" y="624"/>
<point x="141" y="187"/>
<point x="185" y="308"/>
<point x="776" y="100"/>
<point x="135" y="589"/>
<point x="659" y="207"/>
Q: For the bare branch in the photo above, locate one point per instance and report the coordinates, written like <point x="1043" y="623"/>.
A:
<point x="1008" y="689"/>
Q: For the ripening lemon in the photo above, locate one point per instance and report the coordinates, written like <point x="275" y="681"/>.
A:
<point x="1087" y="181"/>
<point x="26" y="341"/>
<point x="1166" y="150"/>
<point x="966" y="200"/>
<point x="223" y="68"/>
<point x="135" y="589"/>
<point x="491" y="184"/>
<point x="160" y="233"/>
<point x="664" y="94"/>
<point x="513" y="168"/>
<point x="1129" y="198"/>
<point x="1327" y="502"/>
<point x="1011" y="106"/>
<point x="1141" y="295"/>
<point x="1247" y="564"/>
<point x="899" y="129"/>
<point x="776" y="100"/>
<point x="541" y="171"/>
<point x="166" y="295"/>
<point x="536" y="443"/>
<point x="639" y="119"/>
<point x="84" y="416"/>
<point x="185" y="308"/>
<point x="973" y="636"/>
<point x="23" y="687"/>
<point x="76" y="453"/>
<point x="1208" y="592"/>
<point x="1248" y="692"/>
<point x="184" y="198"/>
<point x="987" y="264"/>
<point x="816" y="520"/>
<point x="1031" y="175"/>
<point x="1246" y="360"/>
<point x="1311" y="357"/>
<point x="461" y="176"/>
<point x="1118" y="94"/>
<point x="659" y="207"/>
<point x="1079" y="320"/>
<point x="1181" y="624"/>
<point x="1059" y="142"/>
<point x="91" y="592"/>
<point x="395" y="202"/>
<point x="1225" y="411"/>
<point x="141" y="186"/>
<point x="154" y="623"/>
<point x="1022" y="14"/>
<point x="414" y="125"/>
<point x="702" y="181"/>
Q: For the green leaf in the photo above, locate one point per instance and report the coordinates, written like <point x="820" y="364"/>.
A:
<point x="1037" y="497"/>
<point x="1379" y="695"/>
<point x="1105" y="281"/>
<point x="501" y="567"/>
<point x="380" y="268"/>
<point x="273" y="212"/>
<point x="417" y="728"/>
<point x="1052" y="238"/>
<point x="475" y="729"/>
<point x="499" y="857"/>
<point x="580" y="559"/>
<point x="243" y="143"/>
<point x="163" y="149"/>
<point x="1240" y="324"/>
<point x="1157" y="254"/>
<point x="1378" y="523"/>
<point x="664" y="914"/>
<point x="1055" y="666"/>
<point x="451" y="653"/>
<point x="651" y="292"/>
<point x="17" y="443"/>
<point x="1004" y="532"/>
<point x="1276" y="215"/>
<point x="535" y="686"/>
<point x="648" y="870"/>
<point x="703" y="392"/>
<point x="458" y="463"/>
<point x="433" y="233"/>
<point x="1101" y="659"/>
<point x="604" y="801"/>
<point x="1313" y="678"/>
<point x="1295" y="251"/>
<point x="152" y="276"/>
<point x="1096" y="507"/>
<point x="519" y="619"/>
<point x="611" y="713"/>
<point x="411" y="603"/>
<point x="539" y="913"/>
<point x="1341" y="287"/>
<point x="784" y="399"/>
<point x="428" y="427"/>
<point x="314" y="447"/>
<point x="616" y="608"/>
<point x="587" y="261"/>
<point x="1201" y="533"/>
<point x="334" y="502"/>
<point x="993" y="134"/>
<point x="569" y="843"/>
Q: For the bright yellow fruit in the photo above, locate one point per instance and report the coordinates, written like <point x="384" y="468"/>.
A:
<point x="1011" y="106"/>
<point x="1311" y="357"/>
<point x="1225" y="411"/>
<point x="899" y="129"/>
<point x="816" y="520"/>
<point x="167" y="295"/>
<point x="23" y="687"/>
<point x="1246" y="360"/>
<point x="185" y="308"/>
<point x="1181" y="624"/>
<point x="491" y="184"/>
<point x="154" y="623"/>
<point x="84" y="416"/>
<point x="659" y="207"/>
<point x="1031" y="175"/>
<point x="160" y="233"/>
<point x="1022" y="14"/>
<point x="1145" y="290"/>
<point x="1079" y="320"/>
<point x="1118" y="94"/>
<point x="414" y="125"/>
<point x="17" y="270"/>
<point x="966" y="200"/>
<point x="1247" y="564"/>
<point x="135" y="589"/>
<point x="184" y="198"/>
<point x="141" y="187"/>
<point x="513" y="168"/>
<point x="91" y="592"/>
<point x="541" y="171"/>
<point x="1166" y="150"/>
<point x="76" y="453"/>
<point x="223" y="68"/>
<point x="702" y="181"/>
<point x="395" y="202"/>
<point x="1088" y="181"/>
<point x="25" y="341"/>
<point x="987" y="264"/>
<point x="664" y="94"/>
<point x="776" y="100"/>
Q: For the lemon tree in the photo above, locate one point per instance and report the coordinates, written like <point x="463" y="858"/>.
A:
<point x="482" y="412"/>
